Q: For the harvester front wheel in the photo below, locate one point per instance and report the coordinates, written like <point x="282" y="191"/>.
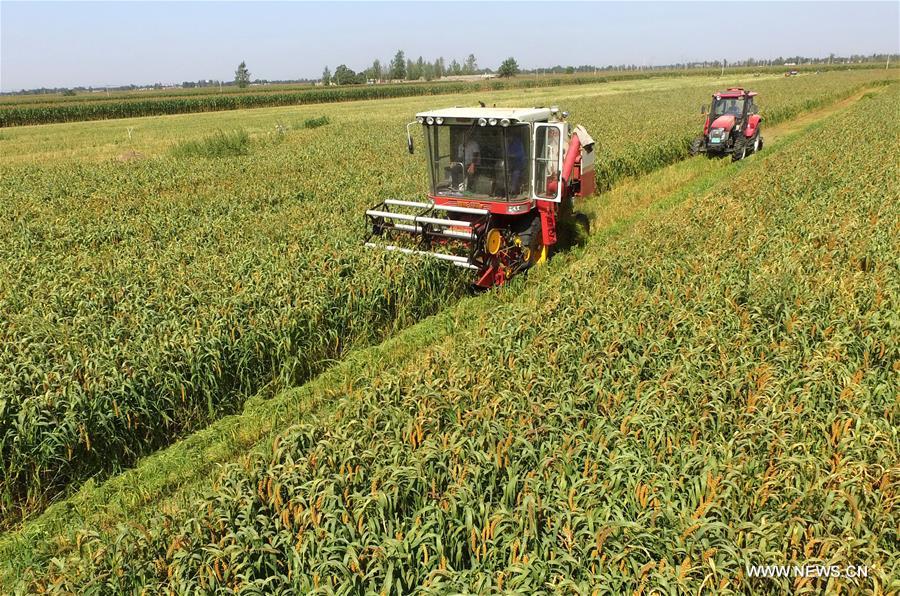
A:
<point x="533" y="247"/>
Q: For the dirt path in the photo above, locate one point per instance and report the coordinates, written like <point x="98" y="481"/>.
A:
<point x="807" y="118"/>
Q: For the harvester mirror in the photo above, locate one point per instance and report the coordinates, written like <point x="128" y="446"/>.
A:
<point x="703" y="109"/>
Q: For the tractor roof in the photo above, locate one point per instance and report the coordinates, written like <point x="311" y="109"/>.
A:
<point x="514" y="114"/>
<point x="735" y="92"/>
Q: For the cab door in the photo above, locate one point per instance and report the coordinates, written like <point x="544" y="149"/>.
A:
<point x="547" y="155"/>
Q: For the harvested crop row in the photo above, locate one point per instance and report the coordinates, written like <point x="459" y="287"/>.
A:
<point x="141" y="301"/>
<point x="715" y="389"/>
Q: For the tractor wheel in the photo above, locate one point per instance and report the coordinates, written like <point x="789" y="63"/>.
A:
<point x="533" y="240"/>
<point x="740" y="149"/>
<point x="757" y="143"/>
<point x="696" y="145"/>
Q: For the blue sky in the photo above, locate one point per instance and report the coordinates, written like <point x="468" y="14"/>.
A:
<point x="111" y="43"/>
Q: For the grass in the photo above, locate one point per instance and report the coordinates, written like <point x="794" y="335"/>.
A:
<point x="314" y="122"/>
<point x="218" y="145"/>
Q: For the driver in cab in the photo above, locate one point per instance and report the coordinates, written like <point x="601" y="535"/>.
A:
<point x="469" y="154"/>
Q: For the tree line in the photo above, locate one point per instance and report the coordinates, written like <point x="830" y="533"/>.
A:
<point x="401" y="68"/>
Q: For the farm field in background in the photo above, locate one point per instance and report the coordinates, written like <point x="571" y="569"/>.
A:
<point x="143" y="297"/>
<point x="712" y="387"/>
<point x="16" y="110"/>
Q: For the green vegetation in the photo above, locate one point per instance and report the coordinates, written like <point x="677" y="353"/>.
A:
<point x="19" y="110"/>
<point x="712" y="387"/>
<point x="315" y="122"/>
<point x="18" y="115"/>
<point x="221" y="144"/>
<point x="142" y="300"/>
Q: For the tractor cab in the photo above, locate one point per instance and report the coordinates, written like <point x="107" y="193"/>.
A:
<point x="496" y="179"/>
<point x="733" y="102"/>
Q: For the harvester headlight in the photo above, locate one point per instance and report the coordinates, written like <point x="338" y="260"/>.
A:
<point x="504" y="122"/>
<point x="482" y="122"/>
<point x="493" y="241"/>
<point x="429" y="120"/>
<point x="420" y="119"/>
<point x="493" y="122"/>
<point x="439" y="120"/>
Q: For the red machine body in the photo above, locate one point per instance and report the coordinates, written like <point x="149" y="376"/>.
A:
<point x="500" y="180"/>
<point x="732" y="126"/>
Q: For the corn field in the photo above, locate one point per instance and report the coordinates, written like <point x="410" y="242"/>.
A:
<point x="713" y="388"/>
<point x="26" y="113"/>
<point x="141" y="301"/>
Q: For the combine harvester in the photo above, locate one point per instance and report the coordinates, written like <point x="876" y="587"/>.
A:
<point x="732" y="125"/>
<point x="501" y="178"/>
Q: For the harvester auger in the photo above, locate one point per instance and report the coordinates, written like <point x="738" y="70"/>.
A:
<point x="732" y="125"/>
<point x="500" y="178"/>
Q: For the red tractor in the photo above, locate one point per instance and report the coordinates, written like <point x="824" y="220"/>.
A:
<point x="732" y="125"/>
<point x="501" y="178"/>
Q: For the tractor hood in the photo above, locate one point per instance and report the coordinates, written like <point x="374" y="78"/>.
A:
<point x="725" y="121"/>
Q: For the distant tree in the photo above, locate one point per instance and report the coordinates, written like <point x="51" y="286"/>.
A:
<point x="471" y="65"/>
<point x="509" y="68"/>
<point x="439" y="68"/>
<point x="398" y="66"/>
<point x="570" y="70"/>
<point x="68" y="92"/>
<point x="344" y="75"/>
<point x="326" y="76"/>
<point x="376" y="69"/>
<point x="455" y="68"/>
<point x="242" y="75"/>
<point x="420" y="68"/>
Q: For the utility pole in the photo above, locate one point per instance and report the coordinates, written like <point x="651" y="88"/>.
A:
<point x="723" y="68"/>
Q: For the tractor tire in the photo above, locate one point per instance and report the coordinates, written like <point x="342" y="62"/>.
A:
<point x="740" y="149"/>
<point x="696" y="145"/>
<point x="757" y="143"/>
<point x="533" y="238"/>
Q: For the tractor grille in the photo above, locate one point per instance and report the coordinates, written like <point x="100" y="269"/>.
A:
<point x="717" y="136"/>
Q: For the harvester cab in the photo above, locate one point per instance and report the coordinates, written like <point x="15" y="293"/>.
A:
<point x="499" y="180"/>
<point x="732" y="125"/>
